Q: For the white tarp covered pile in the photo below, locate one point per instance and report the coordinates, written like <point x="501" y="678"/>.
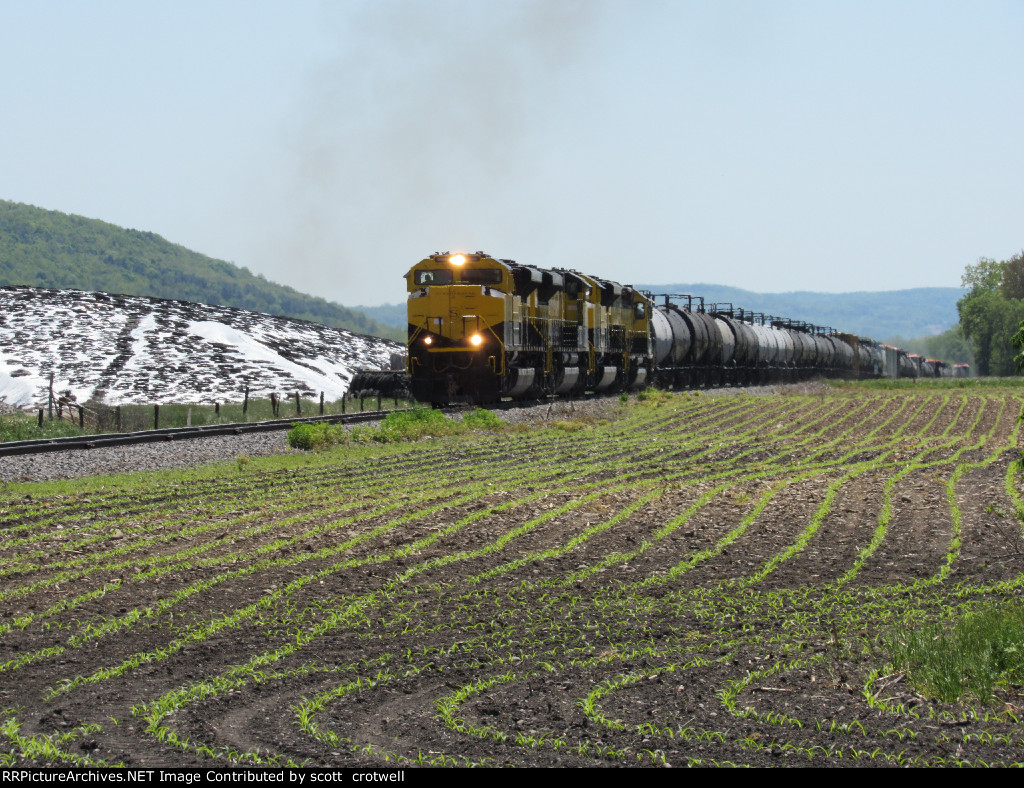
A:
<point x="129" y="349"/>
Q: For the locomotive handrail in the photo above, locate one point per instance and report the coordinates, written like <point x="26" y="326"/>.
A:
<point x="548" y="351"/>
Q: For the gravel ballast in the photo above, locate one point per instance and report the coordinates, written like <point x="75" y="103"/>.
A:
<point x="190" y="452"/>
<point x="162" y="455"/>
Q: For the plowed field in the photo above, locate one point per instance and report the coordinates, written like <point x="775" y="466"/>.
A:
<point x="704" y="581"/>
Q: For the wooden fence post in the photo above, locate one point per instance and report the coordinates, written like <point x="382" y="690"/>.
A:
<point x="245" y="404"/>
<point x="120" y="427"/>
<point x="321" y="403"/>
<point x="81" y="417"/>
<point x="40" y="418"/>
<point x="298" y="404"/>
<point x="156" y="417"/>
<point x="50" y="401"/>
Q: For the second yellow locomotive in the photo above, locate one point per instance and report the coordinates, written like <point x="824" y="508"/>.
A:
<point x="482" y="328"/>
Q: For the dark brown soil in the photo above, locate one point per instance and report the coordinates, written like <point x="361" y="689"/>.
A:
<point x="707" y="581"/>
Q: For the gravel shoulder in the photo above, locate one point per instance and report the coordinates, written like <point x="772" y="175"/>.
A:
<point x="191" y="452"/>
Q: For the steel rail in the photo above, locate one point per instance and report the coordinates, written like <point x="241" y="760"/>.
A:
<point x="41" y="445"/>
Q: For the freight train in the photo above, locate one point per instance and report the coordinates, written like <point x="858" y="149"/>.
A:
<point x="482" y="328"/>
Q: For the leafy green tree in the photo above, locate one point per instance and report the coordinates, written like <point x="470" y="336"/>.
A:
<point x="1018" y="341"/>
<point x="991" y="313"/>
<point x="985" y="275"/>
<point x="1012" y="285"/>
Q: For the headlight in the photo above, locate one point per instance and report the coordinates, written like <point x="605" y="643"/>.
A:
<point x="457" y="259"/>
<point x="476" y="339"/>
<point x="428" y="340"/>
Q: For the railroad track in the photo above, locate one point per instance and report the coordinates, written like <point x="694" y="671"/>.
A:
<point x="43" y="445"/>
<point x="15" y="448"/>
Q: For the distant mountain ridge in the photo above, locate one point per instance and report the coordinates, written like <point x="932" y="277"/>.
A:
<point x="883" y="315"/>
<point x="50" y="249"/>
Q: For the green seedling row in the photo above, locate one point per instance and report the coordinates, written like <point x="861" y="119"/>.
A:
<point x="593" y="591"/>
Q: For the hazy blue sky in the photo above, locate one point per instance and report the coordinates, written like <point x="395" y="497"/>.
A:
<point x="772" y="145"/>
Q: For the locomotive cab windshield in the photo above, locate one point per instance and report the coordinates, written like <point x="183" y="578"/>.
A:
<point x="437" y="276"/>
<point x="442" y="270"/>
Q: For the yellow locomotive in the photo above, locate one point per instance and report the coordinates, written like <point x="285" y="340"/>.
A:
<point x="482" y="328"/>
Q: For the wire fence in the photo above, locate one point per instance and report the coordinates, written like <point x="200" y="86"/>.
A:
<point x="97" y="417"/>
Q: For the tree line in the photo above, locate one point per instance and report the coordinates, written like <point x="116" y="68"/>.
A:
<point x="992" y="314"/>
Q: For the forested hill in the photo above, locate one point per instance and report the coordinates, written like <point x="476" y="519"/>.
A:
<point x="43" y="248"/>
